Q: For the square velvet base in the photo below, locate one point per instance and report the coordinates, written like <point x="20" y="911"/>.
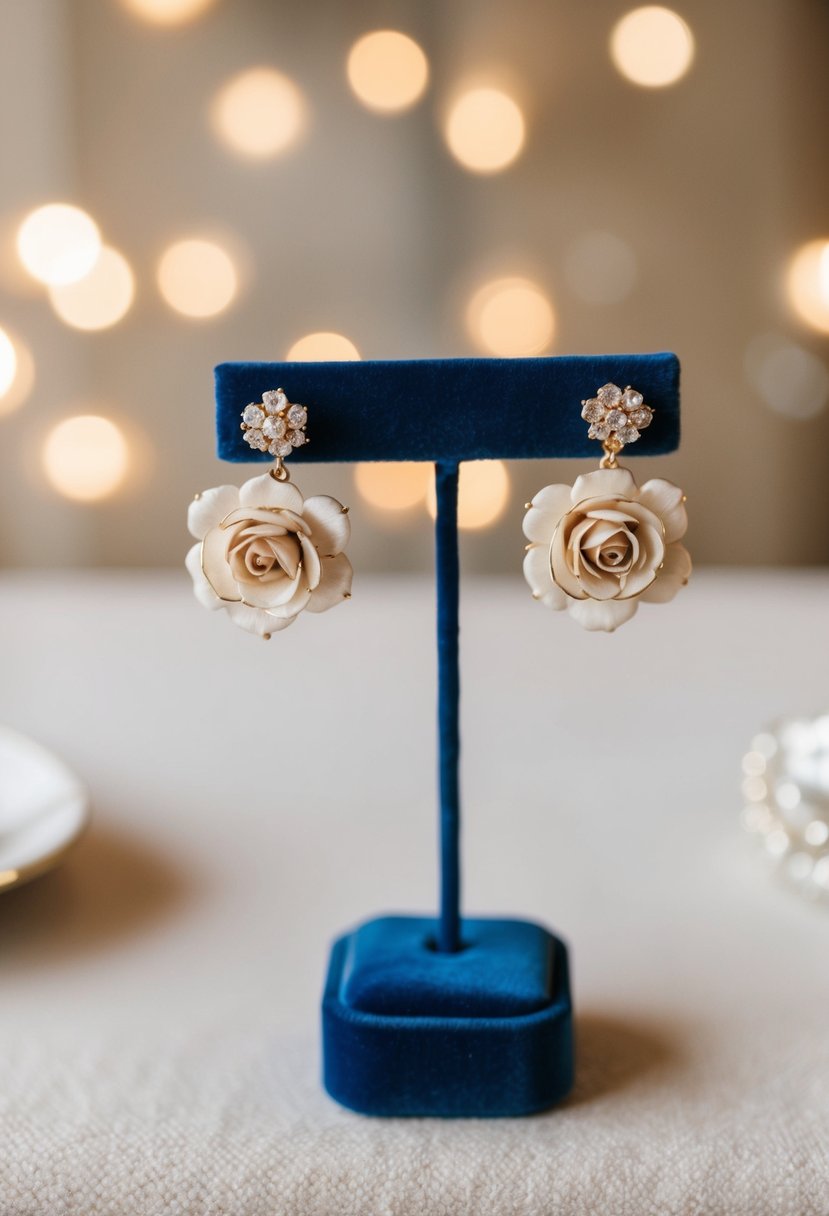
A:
<point x="483" y="1032"/>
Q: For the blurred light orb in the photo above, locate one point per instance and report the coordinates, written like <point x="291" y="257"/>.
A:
<point x="600" y="268"/>
<point x="483" y="493"/>
<point x="197" y="278"/>
<point x="58" y="243"/>
<point x="167" y="12"/>
<point x="101" y="298"/>
<point x="791" y="381"/>
<point x="394" y="485"/>
<point x="652" y="46"/>
<point x="18" y="364"/>
<point x="807" y="284"/>
<point x="8" y="363"/>
<point x="387" y="71"/>
<point x="323" y="347"/>
<point x="485" y="130"/>
<point x="85" y="458"/>
<point x="259" y="113"/>
<point x="510" y="317"/>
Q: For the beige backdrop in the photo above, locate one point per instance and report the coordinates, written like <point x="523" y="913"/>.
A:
<point x="369" y="228"/>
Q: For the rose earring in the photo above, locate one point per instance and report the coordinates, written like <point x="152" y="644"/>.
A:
<point x="264" y="552"/>
<point x="599" y="547"/>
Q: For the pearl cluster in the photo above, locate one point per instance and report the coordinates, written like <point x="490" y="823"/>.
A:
<point x="276" y="426"/>
<point x="616" y="415"/>
<point x="786" y="794"/>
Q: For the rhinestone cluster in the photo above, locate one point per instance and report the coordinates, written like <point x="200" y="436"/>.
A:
<point x="275" y="426"/>
<point x="616" y="415"/>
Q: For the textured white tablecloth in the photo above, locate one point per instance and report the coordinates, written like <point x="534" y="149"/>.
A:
<point x="158" y="1008"/>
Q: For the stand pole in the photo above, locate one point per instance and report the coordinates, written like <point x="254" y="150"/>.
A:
<point x="448" y="573"/>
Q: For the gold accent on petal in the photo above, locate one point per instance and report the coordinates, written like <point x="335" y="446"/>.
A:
<point x="266" y="637"/>
<point x="197" y="497"/>
<point x="223" y="598"/>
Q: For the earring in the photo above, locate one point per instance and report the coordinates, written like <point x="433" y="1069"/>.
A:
<point x="600" y="547"/>
<point x="264" y="552"/>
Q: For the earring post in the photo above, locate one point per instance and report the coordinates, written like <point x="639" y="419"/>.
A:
<point x="448" y="594"/>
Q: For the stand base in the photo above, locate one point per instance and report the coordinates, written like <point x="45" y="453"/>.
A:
<point x="483" y="1032"/>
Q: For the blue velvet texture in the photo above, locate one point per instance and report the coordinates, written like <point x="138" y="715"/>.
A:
<point x="449" y="691"/>
<point x="448" y="409"/>
<point x="482" y="1033"/>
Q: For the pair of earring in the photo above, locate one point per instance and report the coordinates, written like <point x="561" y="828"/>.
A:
<point x="597" y="548"/>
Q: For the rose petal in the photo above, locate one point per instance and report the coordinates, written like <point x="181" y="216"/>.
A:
<point x="214" y="563"/>
<point x="277" y="519"/>
<point x="310" y="564"/>
<point x="288" y="553"/>
<point x="335" y="583"/>
<point x="274" y="594"/>
<point x="651" y="556"/>
<point x="540" y="580"/>
<point x="546" y="510"/>
<point x="606" y="616"/>
<point x="255" y="620"/>
<point x="266" y="491"/>
<point x="604" y="483"/>
<point x="330" y="525"/>
<point x="562" y="571"/>
<point x="675" y="572"/>
<point x="203" y="591"/>
<point x="209" y="509"/>
<point x="294" y="606"/>
<point x="666" y="501"/>
<point x="603" y="529"/>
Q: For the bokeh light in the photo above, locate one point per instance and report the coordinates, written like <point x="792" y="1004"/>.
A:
<point x="197" y="278"/>
<point x="58" y="243"/>
<point x="510" y="317"/>
<point x="259" y="113"/>
<point x="393" y="486"/>
<point x="485" y="130"/>
<point x="85" y="458"/>
<point x="387" y="71"/>
<point x="101" y="298"/>
<point x="483" y="494"/>
<point x="8" y="363"/>
<point x="322" y="347"/>
<point x="167" y="12"/>
<point x="791" y="381"/>
<point x="17" y="372"/>
<point x="652" y="46"/>
<point x="807" y="284"/>
<point x="600" y="268"/>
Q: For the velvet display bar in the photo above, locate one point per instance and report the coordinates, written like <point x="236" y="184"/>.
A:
<point x="448" y="409"/>
<point x="446" y="1016"/>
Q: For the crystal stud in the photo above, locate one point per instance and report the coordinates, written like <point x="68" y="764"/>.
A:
<point x="276" y="426"/>
<point x="616" y="415"/>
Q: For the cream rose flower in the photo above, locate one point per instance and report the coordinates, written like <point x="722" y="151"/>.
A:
<point x="599" y="547"/>
<point x="265" y="553"/>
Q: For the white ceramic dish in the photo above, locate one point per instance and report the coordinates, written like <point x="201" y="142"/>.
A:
<point x="43" y="809"/>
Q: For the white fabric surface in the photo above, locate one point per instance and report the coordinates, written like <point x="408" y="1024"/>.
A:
<point x="158" y="1017"/>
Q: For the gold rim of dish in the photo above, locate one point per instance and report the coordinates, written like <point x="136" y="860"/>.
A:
<point x="9" y="879"/>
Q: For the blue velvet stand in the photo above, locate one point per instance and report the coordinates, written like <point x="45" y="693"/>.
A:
<point x="442" y="1015"/>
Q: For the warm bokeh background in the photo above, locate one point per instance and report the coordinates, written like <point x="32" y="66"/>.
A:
<point x="549" y="181"/>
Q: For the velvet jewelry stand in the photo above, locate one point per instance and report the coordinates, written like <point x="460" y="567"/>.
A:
<point x="438" y="1015"/>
